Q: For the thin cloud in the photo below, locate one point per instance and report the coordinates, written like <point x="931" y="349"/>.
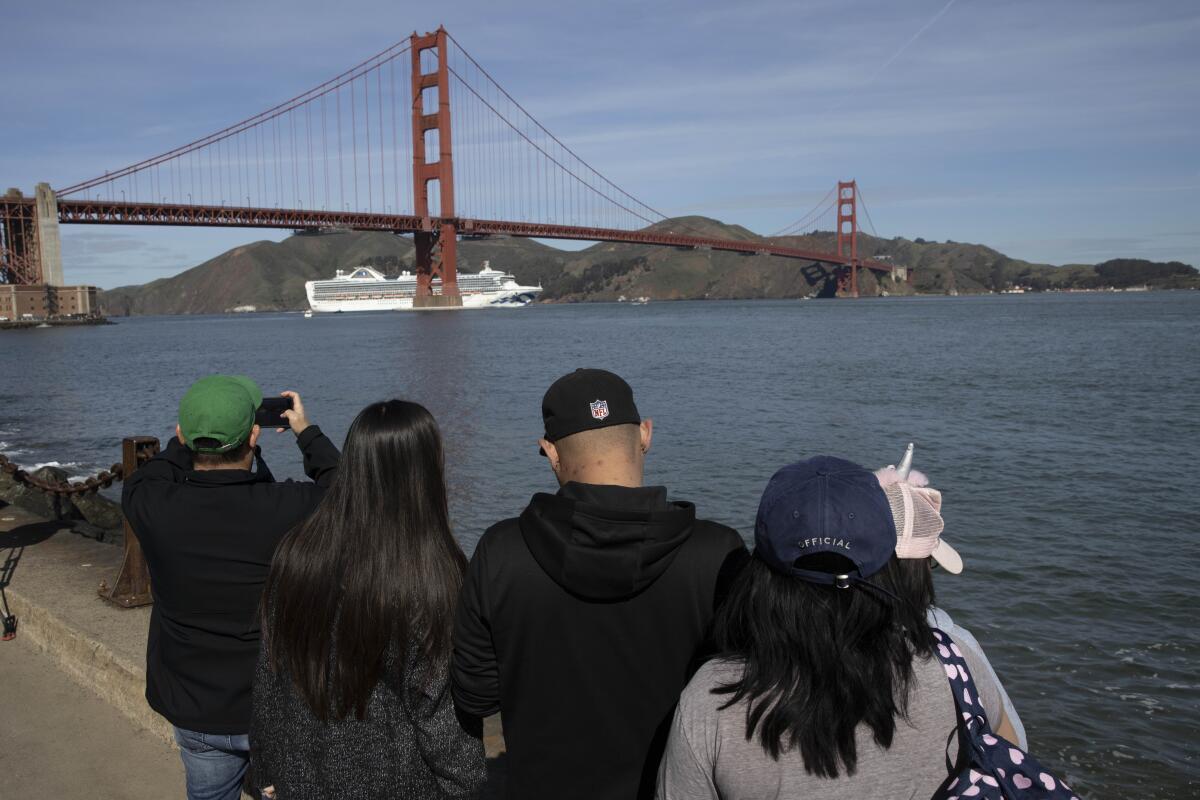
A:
<point x="929" y="24"/>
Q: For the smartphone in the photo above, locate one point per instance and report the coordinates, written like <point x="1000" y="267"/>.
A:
<point x="270" y="413"/>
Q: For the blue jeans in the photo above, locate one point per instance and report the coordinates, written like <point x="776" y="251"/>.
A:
<point x="215" y="764"/>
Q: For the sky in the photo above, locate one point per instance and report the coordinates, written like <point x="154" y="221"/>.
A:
<point x="1057" y="131"/>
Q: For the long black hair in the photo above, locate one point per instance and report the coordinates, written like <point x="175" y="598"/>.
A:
<point x="373" y="573"/>
<point x="819" y="660"/>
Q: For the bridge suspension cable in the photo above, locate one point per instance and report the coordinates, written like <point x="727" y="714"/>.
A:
<point x="347" y="145"/>
<point x="815" y="214"/>
<point x="282" y="157"/>
<point x="517" y="169"/>
<point x="862" y="201"/>
<point x="363" y="151"/>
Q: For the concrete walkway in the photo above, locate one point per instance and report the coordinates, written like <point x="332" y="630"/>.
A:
<point x="74" y="722"/>
<point x="58" y="739"/>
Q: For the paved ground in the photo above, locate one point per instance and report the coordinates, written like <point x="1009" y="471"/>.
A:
<point x="74" y="722"/>
<point x="58" y="740"/>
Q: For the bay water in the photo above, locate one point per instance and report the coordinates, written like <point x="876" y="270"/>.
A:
<point x="1062" y="429"/>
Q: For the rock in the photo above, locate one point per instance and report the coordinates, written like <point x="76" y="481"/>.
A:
<point x="8" y="487"/>
<point x="47" y="506"/>
<point x="98" y="511"/>
<point x="105" y="535"/>
<point x="50" y="474"/>
<point x="43" y="505"/>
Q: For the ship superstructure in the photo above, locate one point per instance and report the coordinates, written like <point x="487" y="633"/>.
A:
<point x="365" y="289"/>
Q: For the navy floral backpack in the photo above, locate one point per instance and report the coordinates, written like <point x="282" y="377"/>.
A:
<point x="988" y="767"/>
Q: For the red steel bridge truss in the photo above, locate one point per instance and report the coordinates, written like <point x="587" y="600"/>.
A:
<point x="418" y="139"/>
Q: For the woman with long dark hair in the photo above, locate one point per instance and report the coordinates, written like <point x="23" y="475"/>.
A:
<point x="351" y="694"/>
<point x="826" y="684"/>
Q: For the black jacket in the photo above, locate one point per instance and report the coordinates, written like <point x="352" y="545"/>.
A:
<point x="580" y="622"/>
<point x="209" y="537"/>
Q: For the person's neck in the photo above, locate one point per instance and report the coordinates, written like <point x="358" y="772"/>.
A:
<point x="245" y="465"/>
<point x="630" y="479"/>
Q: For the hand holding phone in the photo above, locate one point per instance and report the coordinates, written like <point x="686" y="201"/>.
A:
<point x="295" y="417"/>
<point x="270" y="413"/>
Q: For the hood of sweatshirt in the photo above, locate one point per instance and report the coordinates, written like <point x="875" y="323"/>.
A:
<point x="605" y="543"/>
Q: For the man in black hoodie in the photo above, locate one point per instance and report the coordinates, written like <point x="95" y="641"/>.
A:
<point x="581" y="620"/>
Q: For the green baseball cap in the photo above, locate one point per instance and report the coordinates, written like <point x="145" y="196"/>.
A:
<point x="219" y="407"/>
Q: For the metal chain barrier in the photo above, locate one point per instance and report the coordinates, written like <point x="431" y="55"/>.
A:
<point x="101" y="480"/>
<point x="131" y="588"/>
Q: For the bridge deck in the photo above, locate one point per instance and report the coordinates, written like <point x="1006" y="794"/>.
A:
<point x="124" y="213"/>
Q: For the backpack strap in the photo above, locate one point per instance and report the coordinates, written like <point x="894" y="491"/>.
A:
<point x="972" y="722"/>
<point x="980" y="750"/>
<point x="962" y="685"/>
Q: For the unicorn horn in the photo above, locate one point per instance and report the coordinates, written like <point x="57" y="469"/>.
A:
<point x="905" y="463"/>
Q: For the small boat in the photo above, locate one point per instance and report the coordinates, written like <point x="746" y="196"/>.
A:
<point x="308" y="314"/>
<point x="640" y="301"/>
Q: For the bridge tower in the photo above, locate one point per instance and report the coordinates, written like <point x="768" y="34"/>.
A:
<point x="847" y="236"/>
<point x="49" y="242"/>
<point x="30" y="251"/>
<point x="436" y="245"/>
<point x="20" y="261"/>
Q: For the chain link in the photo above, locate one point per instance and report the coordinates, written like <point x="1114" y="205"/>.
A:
<point x="102" y="479"/>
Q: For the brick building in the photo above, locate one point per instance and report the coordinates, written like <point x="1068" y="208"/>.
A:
<point x="19" y="302"/>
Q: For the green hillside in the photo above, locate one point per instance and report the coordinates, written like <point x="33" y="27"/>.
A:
<point x="270" y="275"/>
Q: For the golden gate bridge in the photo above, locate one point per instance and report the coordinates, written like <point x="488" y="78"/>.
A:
<point x="418" y="139"/>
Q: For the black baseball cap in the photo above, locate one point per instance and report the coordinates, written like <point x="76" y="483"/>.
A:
<point x="825" y="505"/>
<point x="585" y="400"/>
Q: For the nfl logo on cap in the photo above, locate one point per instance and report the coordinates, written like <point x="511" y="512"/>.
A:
<point x="599" y="409"/>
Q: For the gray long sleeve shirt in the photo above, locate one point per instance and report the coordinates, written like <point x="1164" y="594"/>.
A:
<point x="709" y="758"/>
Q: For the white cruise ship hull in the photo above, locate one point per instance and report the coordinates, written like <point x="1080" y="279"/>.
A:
<point x="365" y="289"/>
<point x="514" y="300"/>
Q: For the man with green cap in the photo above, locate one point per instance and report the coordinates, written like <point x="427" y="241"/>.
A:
<point x="209" y="520"/>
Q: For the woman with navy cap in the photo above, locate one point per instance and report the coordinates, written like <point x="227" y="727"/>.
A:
<point x="827" y="684"/>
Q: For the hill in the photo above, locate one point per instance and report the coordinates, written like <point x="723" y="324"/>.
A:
<point x="271" y="275"/>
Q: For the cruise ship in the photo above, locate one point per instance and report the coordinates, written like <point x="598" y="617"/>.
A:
<point x="364" y="289"/>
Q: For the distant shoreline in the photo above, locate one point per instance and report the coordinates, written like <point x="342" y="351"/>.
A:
<point x="24" y="324"/>
<point x="572" y="302"/>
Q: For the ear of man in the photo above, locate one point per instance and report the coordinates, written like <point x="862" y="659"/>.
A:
<point x="551" y="453"/>
<point x="646" y="434"/>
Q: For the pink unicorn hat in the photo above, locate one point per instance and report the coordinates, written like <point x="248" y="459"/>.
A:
<point x="917" y="512"/>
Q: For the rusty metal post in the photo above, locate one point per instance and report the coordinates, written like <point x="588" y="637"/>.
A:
<point x="132" y="586"/>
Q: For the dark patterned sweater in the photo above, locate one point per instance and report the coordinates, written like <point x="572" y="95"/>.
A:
<point x="410" y="745"/>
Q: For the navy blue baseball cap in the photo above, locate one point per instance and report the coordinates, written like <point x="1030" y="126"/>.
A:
<point x="825" y="505"/>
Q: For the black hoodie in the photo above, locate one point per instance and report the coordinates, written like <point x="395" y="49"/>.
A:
<point x="580" y="622"/>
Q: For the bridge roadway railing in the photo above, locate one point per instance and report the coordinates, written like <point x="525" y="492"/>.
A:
<point x="131" y="588"/>
<point x="655" y="237"/>
<point x="123" y="213"/>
